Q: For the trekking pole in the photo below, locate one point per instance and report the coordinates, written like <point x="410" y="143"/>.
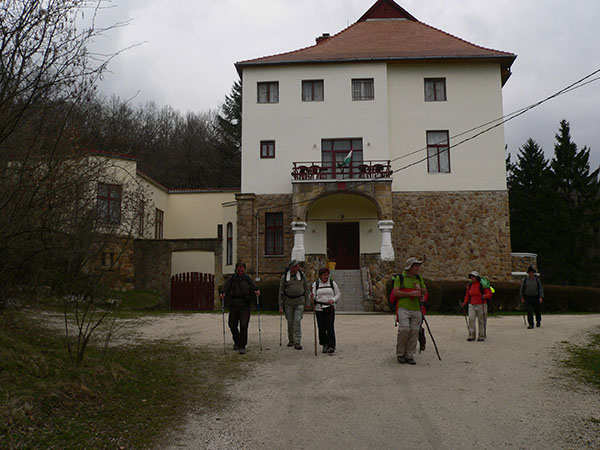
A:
<point x="280" y="326"/>
<point x="523" y="309"/>
<point x="315" y="325"/>
<point x="223" y="316"/>
<point x="465" y="314"/>
<point x="432" y="339"/>
<point x="259" y="333"/>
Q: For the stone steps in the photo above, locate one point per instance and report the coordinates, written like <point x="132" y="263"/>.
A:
<point x="350" y="283"/>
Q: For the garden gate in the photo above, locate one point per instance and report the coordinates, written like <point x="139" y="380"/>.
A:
<point x="193" y="291"/>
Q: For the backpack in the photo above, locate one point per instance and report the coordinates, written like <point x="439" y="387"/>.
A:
<point x="392" y="299"/>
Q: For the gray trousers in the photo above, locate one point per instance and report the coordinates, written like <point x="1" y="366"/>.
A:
<point x="409" y="323"/>
<point x="479" y="312"/>
<point x="293" y="315"/>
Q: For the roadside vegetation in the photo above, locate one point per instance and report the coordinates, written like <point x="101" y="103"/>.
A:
<point x="585" y="360"/>
<point x="126" y="397"/>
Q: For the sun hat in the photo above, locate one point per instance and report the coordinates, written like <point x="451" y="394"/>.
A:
<point x="475" y="274"/>
<point x="410" y="261"/>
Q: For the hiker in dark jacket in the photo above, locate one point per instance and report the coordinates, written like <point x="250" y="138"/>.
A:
<point x="532" y="295"/>
<point x="294" y="296"/>
<point x="241" y="291"/>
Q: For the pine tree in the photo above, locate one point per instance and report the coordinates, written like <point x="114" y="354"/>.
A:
<point x="229" y="135"/>
<point x="529" y="194"/>
<point x="576" y="208"/>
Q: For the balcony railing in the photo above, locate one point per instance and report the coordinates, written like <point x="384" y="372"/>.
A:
<point x="317" y="170"/>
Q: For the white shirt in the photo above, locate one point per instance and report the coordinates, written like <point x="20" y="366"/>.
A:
<point x="326" y="291"/>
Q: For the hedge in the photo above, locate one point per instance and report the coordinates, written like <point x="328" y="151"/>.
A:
<point x="445" y="297"/>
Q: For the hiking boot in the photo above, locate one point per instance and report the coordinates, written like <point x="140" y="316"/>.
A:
<point x="410" y="361"/>
<point x="331" y="350"/>
<point x="242" y="350"/>
<point x="470" y="339"/>
<point x="297" y="346"/>
<point x="235" y="347"/>
<point x="530" y="327"/>
<point x="290" y="344"/>
<point x="538" y="324"/>
<point x="422" y="348"/>
<point x="481" y="339"/>
<point x="401" y="359"/>
<point x="325" y="349"/>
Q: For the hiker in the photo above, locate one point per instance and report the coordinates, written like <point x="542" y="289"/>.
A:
<point x="325" y="293"/>
<point x="409" y="289"/>
<point x="532" y="295"/>
<point x="476" y="297"/>
<point x="240" y="289"/>
<point x="293" y="298"/>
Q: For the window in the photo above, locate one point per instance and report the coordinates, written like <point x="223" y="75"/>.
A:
<point x="141" y="222"/>
<point x="312" y="91"/>
<point x="229" y="250"/>
<point x="108" y="259"/>
<point x="362" y="89"/>
<point x="159" y="218"/>
<point x="267" y="149"/>
<point x="435" y="89"/>
<point x="109" y="203"/>
<point x="273" y="233"/>
<point x="438" y="152"/>
<point x="268" y="92"/>
<point x="333" y="154"/>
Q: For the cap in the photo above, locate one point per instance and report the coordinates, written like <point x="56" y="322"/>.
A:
<point x="475" y="274"/>
<point x="410" y="261"/>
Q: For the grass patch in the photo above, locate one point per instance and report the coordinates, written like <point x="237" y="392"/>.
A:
<point x="586" y="360"/>
<point x="129" y="399"/>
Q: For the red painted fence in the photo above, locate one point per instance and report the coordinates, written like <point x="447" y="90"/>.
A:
<point x="193" y="291"/>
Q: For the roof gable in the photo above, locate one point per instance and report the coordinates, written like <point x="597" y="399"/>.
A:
<point x="386" y="9"/>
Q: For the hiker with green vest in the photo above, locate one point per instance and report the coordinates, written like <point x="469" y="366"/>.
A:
<point x="532" y="295"/>
<point x="476" y="297"/>
<point x="409" y="290"/>
<point x="294" y="297"/>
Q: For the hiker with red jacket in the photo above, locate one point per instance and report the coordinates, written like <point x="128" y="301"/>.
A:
<point x="409" y="290"/>
<point x="477" y="297"/>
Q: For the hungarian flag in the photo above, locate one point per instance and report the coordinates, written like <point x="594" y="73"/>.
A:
<point x="347" y="159"/>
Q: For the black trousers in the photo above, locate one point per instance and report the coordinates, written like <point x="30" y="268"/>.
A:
<point x="325" y="321"/>
<point x="532" y="304"/>
<point x="239" y="315"/>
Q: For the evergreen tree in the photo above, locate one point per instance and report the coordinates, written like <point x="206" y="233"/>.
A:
<point x="529" y="194"/>
<point x="229" y="135"/>
<point x="576" y="213"/>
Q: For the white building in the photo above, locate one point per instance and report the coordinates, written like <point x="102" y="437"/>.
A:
<point x="405" y="99"/>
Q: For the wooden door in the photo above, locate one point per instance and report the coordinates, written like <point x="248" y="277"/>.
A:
<point x="343" y="245"/>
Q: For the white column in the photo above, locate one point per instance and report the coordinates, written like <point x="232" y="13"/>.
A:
<point x="387" y="250"/>
<point x="298" y="251"/>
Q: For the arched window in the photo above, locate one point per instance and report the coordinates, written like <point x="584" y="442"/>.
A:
<point x="229" y="251"/>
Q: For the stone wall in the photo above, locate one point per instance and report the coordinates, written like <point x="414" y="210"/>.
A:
<point x="152" y="262"/>
<point x="380" y="272"/>
<point x="121" y="275"/>
<point x="521" y="261"/>
<point x="269" y="267"/>
<point x="454" y="233"/>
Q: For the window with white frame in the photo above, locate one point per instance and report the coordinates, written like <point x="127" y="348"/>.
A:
<point x="363" y="89"/>
<point x="438" y="152"/>
<point x="435" y="89"/>
<point x="268" y="91"/>
<point x="312" y="91"/>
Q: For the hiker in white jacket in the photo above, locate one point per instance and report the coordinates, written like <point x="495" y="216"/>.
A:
<point x="325" y="294"/>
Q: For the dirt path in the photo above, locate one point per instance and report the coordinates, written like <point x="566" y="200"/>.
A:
<point x="507" y="392"/>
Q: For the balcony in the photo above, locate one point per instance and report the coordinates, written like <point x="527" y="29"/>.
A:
<point x="318" y="171"/>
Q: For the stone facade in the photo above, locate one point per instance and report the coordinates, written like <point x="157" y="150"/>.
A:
<point x="454" y="233"/>
<point x="379" y="273"/>
<point x="269" y="267"/>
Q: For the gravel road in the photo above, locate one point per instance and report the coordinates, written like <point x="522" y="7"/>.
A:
<point x="508" y="392"/>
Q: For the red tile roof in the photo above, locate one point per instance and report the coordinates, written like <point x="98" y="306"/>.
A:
<point x="387" y="33"/>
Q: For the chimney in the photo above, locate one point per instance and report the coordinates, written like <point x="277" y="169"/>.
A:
<point x="322" y="38"/>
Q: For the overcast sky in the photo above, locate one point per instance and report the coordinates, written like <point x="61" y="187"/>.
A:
<point x="188" y="49"/>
